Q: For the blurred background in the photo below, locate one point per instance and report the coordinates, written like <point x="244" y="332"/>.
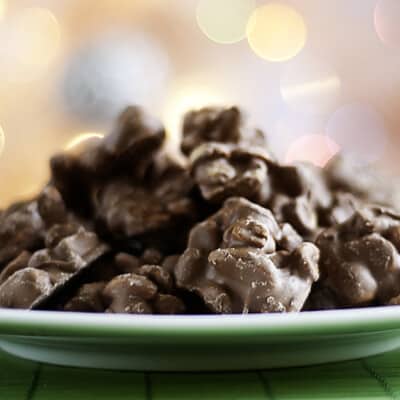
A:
<point x="318" y="76"/>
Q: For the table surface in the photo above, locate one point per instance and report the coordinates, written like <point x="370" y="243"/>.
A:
<point x="373" y="378"/>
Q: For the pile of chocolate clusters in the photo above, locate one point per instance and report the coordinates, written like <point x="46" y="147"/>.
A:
<point x="123" y="227"/>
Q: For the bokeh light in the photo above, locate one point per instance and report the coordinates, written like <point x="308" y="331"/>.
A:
<point x="387" y="22"/>
<point x="224" y="21"/>
<point x="186" y="97"/>
<point x="29" y="41"/>
<point x="2" y="140"/>
<point x="3" y="8"/>
<point x="316" y="149"/>
<point x="21" y="185"/>
<point x="360" y="132"/>
<point x="310" y="85"/>
<point x="82" y="139"/>
<point x="281" y="135"/>
<point x="290" y="126"/>
<point x="276" y="32"/>
<point x="44" y="35"/>
<point x="114" y="70"/>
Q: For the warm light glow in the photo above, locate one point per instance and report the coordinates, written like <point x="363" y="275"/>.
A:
<point x="44" y="36"/>
<point x="276" y="32"/>
<point x="30" y="190"/>
<point x="18" y="185"/>
<point x="316" y="149"/>
<point x="360" y="132"/>
<point x="185" y="98"/>
<point x="2" y="140"/>
<point x="310" y="88"/>
<point x="29" y="41"/>
<point x="387" y="22"/>
<point x="82" y="138"/>
<point x="310" y="85"/>
<point x="224" y="21"/>
<point x="3" y="8"/>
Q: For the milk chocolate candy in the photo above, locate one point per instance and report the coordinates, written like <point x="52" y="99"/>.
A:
<point x="127" y="151"/>
<point x="299" y="196"/>
<point x="343" y="206"/>
<point x="133" y="287"/>
<point x="123" y="227"/>
<point x="88" y="298"/>
<point x="223" y="171"/>
<point x="217" y="124"/>
<point x="23" y="226"/>
<point x="31" y="281"/>
<point x="360" y="257"/>
<point x="128" y="209"/>
<point x="236" y="263"/>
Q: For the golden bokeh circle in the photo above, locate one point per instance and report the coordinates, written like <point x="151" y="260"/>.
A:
<point x="276" y="32"/>
<point x="224" y="21"/>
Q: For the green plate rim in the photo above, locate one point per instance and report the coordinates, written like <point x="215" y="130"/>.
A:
<point x="195" y="327"/>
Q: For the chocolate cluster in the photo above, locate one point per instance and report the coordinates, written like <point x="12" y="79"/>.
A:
<point x="240" y="260"/>
<point x="124" y="227"/>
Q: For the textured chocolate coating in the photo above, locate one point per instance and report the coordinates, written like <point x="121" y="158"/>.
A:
<point x="343" y="206"/>
<point x="15" y="265"/>
<point x="34" y="279"/>
<point x="321" y="298"/>
<point x="223" y="170"/>
<point x="137" y="294"/>
<point x="21" y="228"/>
<point x="228" y="229"/>
<point x="235" y="262"/>
<point x="129" y="293"/>
<point x="299" y="196"/>
<point x="133" y="142"/>
<point x="88" y="298"/>
<point x="299" y="211"/>
<point x="217" y="124"/>
<point x="127" y="151"/>
<point x="74" y="171"/>
<point x="127" y="209"/>
<point x="129" y="285"/>
<point x="58" y="232"/>
<point x="23" y="225"/>
<point x="360" y="260"/>
<point x="51" y="207"/>
<point x="24" y="287"/>
<point x="301" y="179"/>
<point x="260" y="282"/>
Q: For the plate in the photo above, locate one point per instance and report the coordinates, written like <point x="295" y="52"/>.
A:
<point x="199" y="343"/>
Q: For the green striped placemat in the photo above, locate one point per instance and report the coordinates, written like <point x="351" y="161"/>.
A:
<point x="373" y="378"/>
